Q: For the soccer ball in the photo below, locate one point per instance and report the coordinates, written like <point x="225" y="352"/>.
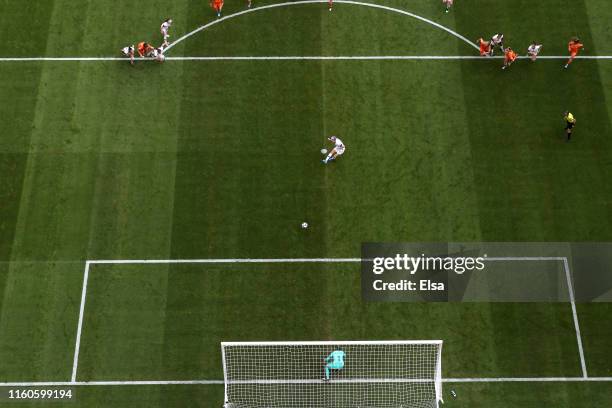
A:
<point x="304" y="225"/>
<point x="323" y="151"/>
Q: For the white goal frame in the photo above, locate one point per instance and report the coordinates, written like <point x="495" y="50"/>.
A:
<point x="410" y="378"/>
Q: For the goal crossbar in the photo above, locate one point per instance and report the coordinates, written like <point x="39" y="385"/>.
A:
<point x="337" y="381"/>
<point x="327" y="343"/>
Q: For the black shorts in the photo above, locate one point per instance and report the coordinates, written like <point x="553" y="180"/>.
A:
<point x="569" y="125"/>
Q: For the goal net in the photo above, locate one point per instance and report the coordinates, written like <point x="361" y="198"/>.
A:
<point x="332" y="374"/>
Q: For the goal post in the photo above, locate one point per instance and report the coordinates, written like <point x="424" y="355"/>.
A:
<point x="333" y="374"/>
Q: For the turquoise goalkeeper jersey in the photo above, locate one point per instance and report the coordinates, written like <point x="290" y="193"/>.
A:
<point x="335" y="359"/>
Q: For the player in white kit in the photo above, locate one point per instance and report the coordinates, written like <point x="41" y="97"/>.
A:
<point x="534" y="50"/>
<point x="448" y="4"/>
<point x="164" y="30"/>
<point x="158" y="54"/>
<point x="497" y="41"/>
<point x="129" y="52"/>
<point x="338" y="149"/>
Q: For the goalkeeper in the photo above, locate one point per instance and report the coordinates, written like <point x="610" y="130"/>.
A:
<point x="335" y="361"/>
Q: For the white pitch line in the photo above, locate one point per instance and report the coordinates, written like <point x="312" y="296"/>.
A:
<point x="220" y="382"/>
<point x="301" y="58"/>
<point x="527" y="379"/>
<point x="588" y="57"/>
<point x="108" y="383"/>
<point x="333" y="58"/>
<point x="575" y="315"/>
<point x="372" y="58"/>
<point x="285" y="260"/>
<point x="525" y="258"/>
<point x="341" y="57"/>
<point x="226" y="260"/>
<point x="293" y="3"/>
<point x="32" y="59"/>
<point x="334" y="260"/>
<point x="77" y="345"/>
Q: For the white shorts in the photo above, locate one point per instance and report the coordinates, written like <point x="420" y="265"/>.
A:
<point x="536" y="51"/>
<point x="340" y="150"/>
<point x="165" y="34"/>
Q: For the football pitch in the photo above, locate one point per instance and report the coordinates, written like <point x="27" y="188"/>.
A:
<point x="150" y="212"/>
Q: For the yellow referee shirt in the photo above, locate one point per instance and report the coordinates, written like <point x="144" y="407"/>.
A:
<point x="570" y="118"/>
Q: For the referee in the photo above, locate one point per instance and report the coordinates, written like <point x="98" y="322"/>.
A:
<point x="570" y="122"/>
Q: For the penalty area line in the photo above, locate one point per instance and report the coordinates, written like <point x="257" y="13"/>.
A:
<point x="282" y="260"/>
<point x="88" y="264"/>
<point x="77" y="343"/>
<point x="575" y="317"/>
<point x="223" y="260"/>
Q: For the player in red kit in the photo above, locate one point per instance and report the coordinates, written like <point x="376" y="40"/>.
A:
<point x="509" y="57"/>
<point x="485" y="47"/>
<point x="217" y="5"/>
<point x="573" y="47"/>
<point x="144" y="49"/>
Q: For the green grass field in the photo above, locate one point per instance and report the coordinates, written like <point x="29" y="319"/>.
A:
<point x="220" y="159"/>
